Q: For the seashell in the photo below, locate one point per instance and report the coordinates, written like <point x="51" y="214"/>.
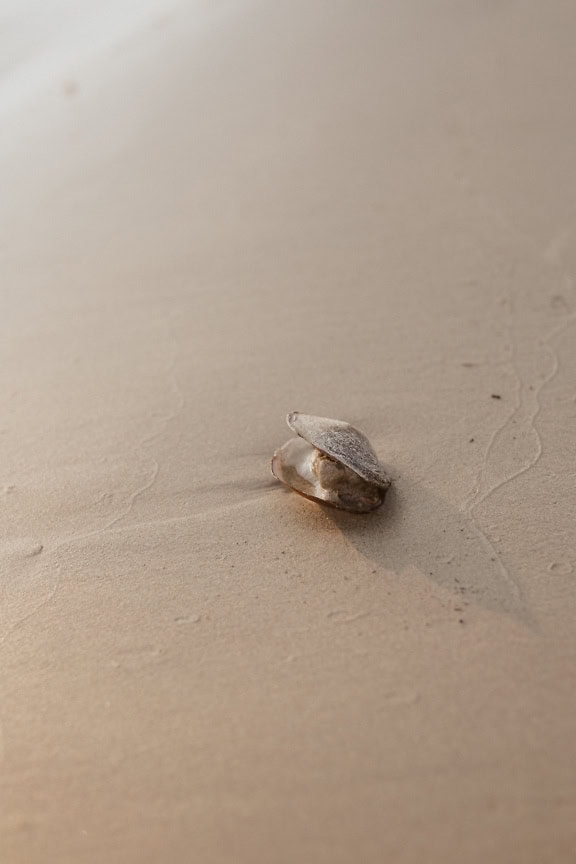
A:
<point x="331" y="462"/>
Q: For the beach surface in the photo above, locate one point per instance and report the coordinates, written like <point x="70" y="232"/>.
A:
<point x="213" y="214"/>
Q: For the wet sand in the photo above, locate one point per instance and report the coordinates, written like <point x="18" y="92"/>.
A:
<point x="214" y="214"/>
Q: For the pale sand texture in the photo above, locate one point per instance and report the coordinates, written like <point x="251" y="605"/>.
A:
<point x="215" y="214"/>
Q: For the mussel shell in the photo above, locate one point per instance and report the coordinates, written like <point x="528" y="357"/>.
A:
<point x="302" y="467"/>
<point x="331" y="462"/>
<point x="342" y="442"/>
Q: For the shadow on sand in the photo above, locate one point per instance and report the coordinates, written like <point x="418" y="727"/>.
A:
<point x="415" y="528"/>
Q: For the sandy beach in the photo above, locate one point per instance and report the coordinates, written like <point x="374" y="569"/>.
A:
<point x="213" y="214"/>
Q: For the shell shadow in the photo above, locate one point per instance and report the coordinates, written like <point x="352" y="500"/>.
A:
<point x="417" y="529"/>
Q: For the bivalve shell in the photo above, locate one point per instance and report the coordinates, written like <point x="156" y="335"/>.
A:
<point x="331" y="462"/>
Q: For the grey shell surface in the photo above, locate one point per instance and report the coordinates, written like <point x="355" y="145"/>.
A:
<point x="342" y="442"/>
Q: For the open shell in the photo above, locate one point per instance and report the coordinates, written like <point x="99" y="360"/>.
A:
<point x="331" y="462"/>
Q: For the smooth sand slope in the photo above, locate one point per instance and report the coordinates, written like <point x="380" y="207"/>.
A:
<point x="214" y="214"/>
